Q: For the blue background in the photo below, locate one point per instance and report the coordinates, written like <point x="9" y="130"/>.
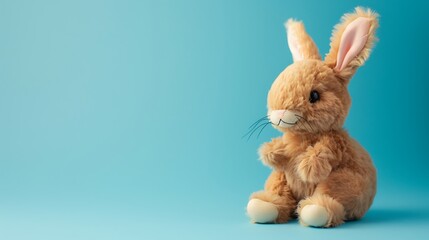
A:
<point x="123" y="119"/>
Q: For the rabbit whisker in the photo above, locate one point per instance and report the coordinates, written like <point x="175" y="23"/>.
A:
<point x="262" y="125"/>
<point x="255" y="128"/>
<point x="263" y="129"/>
<point x="258" y="121"/>
<point x="305" y="120"/>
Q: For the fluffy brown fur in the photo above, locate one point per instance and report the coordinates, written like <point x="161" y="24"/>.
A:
<point x="316" y="161"/>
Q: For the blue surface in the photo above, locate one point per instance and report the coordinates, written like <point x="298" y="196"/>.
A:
<point x="123" y="119"/>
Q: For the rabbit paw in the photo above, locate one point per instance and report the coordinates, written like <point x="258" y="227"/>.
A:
<point x="313" y="168"/>
<point x="262" y="212"/>
<point x="274" y="159"/>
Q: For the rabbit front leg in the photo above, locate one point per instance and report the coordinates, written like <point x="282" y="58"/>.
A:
<point x="316" y="163"/>
<point x="272" y="154"/>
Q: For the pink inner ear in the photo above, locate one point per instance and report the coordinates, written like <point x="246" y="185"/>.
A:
<point x="352" y="42"/>
<point x="294" y="45"/>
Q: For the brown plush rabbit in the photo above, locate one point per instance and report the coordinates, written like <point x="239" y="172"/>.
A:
<point x="319" y="172"/>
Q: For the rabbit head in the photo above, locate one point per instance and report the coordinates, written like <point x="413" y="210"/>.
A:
<point x="311" y="94"/>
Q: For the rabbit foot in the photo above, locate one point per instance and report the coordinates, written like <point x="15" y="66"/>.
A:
<point x="261" y="212"/>
<point x="314" y="216"/>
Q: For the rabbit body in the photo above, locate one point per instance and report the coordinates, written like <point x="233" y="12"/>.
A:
<point x="320" y="174"/>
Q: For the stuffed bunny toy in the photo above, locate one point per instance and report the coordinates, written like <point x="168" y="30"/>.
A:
<point x="320" y="174"/>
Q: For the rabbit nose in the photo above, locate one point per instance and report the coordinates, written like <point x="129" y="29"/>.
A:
<point x="280" y="113"/>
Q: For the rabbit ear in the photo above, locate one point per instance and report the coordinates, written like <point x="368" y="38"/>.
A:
<point x="300" y="43"/>
<point x="352" y="41"/>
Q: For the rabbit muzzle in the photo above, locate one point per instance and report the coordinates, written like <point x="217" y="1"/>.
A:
<point x="284" y="118"/>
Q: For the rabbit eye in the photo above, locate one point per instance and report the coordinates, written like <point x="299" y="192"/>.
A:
<point x="314" y="96"/>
